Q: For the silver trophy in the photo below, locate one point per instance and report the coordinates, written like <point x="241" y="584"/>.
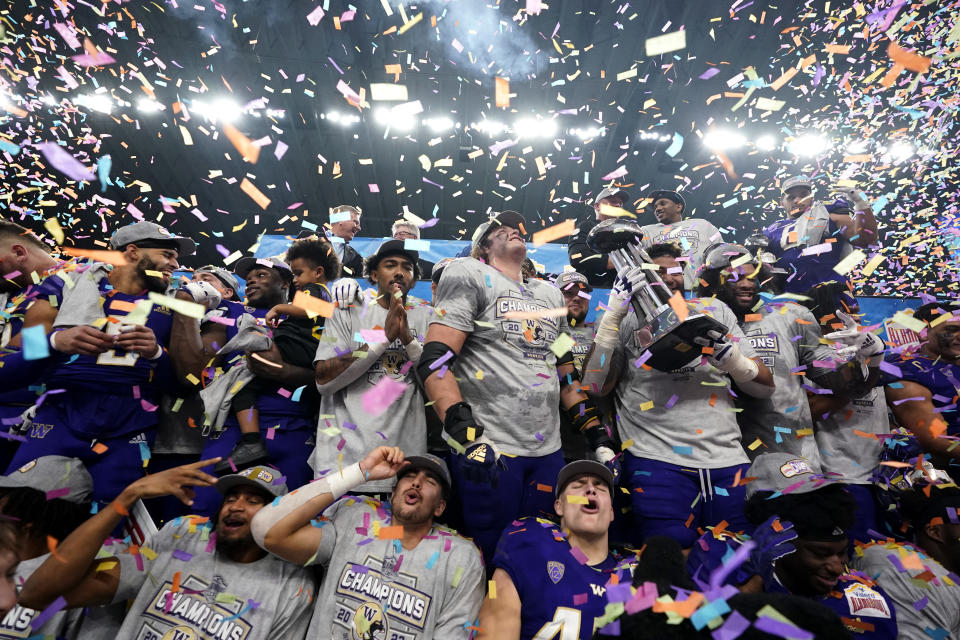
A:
<point x="669" y="339"/>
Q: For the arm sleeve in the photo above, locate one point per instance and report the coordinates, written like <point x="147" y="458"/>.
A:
<point x="328" y="521"/>
<point x="293" y="616"/>
<point x="338" y="336"/>
<point x="460" y="295"/>
<point x="16" y="372"/>
<point x="461" y="604"/>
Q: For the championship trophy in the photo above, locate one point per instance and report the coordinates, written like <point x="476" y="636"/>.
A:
<point x="666" y="336"/>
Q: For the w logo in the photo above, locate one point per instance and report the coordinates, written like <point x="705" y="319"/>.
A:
<point x="39" y="431"/>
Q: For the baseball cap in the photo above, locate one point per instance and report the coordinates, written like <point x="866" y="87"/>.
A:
<point x="507" y="218"/>
<point x="429" y="462"/>
<point x="567" y="278"/>
<point x="780" y="472"/>
<point x="224" y="276"/>
<point x="150" y="235"/>
<point x="246" y="265"/>
<point x="53" y="473"/>
<point x="609" y="192"/>
<point x="579" y="468"/>
<point x="669" y="195"/>
<point x="260" y="477"/>
<point x="391" y="248"/>
<point x="796" y="181"/>
<point x="438" y="268"/>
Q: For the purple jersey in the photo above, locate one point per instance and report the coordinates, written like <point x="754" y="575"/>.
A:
<point x="941" y="378"/>
<point x="865" y="609"/>
<point x="558" y="591"/>
<point x="116" y="372"/>
<point x="804" y="268"/>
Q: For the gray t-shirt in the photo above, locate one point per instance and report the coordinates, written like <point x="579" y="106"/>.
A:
<point x="843" y="437"/>
<point x="217" y="598"/>
<point x="787" y="339"/>
<point x="692" y="235"/>
<point x="582" y="334"/>
<point x="921" y="603"/>
<point x="346" y="428"/>
<point x="18" y="622"/>
<point x="375" y="588"/>
<point x="506" y="370"/>
<point x="685" y="416"/>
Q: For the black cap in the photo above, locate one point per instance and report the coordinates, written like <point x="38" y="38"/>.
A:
<point x="669" y="195"/>
<point x="579" y="468"/>
<point x="246" y="265"/>
<point x="392" y="248"/>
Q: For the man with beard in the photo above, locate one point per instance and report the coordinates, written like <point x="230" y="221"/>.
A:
<point x="787" y="338"/>
<point x="576" y="294"/>
<point x="597" y="267"/>
<point x="351" y="424"/>
<point x="815" y="236"/>
<point x="189" y="579"/>
<point x="692" y="235"/>
<point x="923" y="396"/>
<point x="108" y="357"/>
<point x="287" y="426"/>
<point x="529" y="603"/>
<point x="684" y="454"/>
<point x="496" y="333"/>
<point x="389" y="565"/>
<point x="24" y="260"/>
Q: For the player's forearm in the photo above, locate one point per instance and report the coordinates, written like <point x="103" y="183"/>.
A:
<point x="334" y="374"/>
<point x="444" y="392"/>
<point x="762" y="385"/>
<point x="186" y="347"/>
<point x="64" y="570"/>
<point x="17" y="372"/>
<point x="290" y="310"/>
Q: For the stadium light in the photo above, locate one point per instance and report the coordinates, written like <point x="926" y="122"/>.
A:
<point x="439" y="124"/>
<point x="489" y="127"/>
<point x="766" y="143"/>
<point x="149" y="106"/>
<point x="394" y="120"/>
<point x="723" y="140"/>
<point x="535" y="128"/>
<point x="589" y="132"/>
<point x="95" y="102"/>
<point x="808" y="144"/>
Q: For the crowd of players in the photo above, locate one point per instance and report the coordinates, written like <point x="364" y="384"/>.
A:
<point x="329" y="457"/>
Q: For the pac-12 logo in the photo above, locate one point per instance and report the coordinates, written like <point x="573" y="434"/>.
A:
<point x="369" y="623"/>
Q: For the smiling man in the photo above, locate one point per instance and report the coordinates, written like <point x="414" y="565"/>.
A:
<point x="189" y="580"/>
<point x="107" y="354"/>
<point x="344" y="226"/>
<point x="814" y="236"/>
<point x="388" y="332"/>
<point x="552" y="580"/>
<point x="800" y="545"/>
<point x="392" y="572"/>
<point x="691" y="235"/>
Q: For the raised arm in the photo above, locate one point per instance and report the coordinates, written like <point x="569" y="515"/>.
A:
<point x="284" y="527"/>
<point x="73" y="570"/>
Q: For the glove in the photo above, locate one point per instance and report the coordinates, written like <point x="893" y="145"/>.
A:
<point x="727" y="357"/>
<point x="481" y="463"/>
<point x="855" y="343"/>
<point x="851" y="194"/>
<point x="769" y="546"/>
<point x="626" y="283"/>
<point x="345" y="292"/>
<point x="203" y="293"/>
<point x="608" y="458"/>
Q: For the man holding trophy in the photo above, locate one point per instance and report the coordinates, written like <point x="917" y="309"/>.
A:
<point x="670" y="363"/>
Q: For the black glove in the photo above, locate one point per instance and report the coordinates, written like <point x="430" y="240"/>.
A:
<point x="480" y="461"/>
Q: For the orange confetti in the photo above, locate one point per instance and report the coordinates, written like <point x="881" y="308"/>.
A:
<point x="907" y="59"/>
<point x="110" y="257"/>
<point x="501" y="92"/>
<point x="255" y="194"/>
<point x="249" y="151"/>
<point x="391" y="533"/>
<point x="557" y="231"/>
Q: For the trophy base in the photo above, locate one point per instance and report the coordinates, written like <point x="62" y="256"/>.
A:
<point x="670" y="340"/>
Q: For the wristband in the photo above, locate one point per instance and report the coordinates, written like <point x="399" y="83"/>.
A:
<point x="741" y="368"/>
<point x="53" y="339"/>
<point x="157" y="353"/>
<point x="414" y="350"/>
<point x="341" y="483"/>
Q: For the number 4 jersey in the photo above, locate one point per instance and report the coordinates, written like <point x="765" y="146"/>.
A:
<point x="561" y="595"/>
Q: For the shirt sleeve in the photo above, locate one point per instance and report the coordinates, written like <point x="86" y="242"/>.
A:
<point x="461" y="604"/>
<point x="460" y="295"/>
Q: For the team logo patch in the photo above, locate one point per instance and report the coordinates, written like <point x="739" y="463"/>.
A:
<point x="180" y="633"/>
<point x="555" y="571"/>
<point x="864" y="601"/>
<point x="795" y="468"/>
<point x="369" y="623"/>
<point x="260" y="473"/>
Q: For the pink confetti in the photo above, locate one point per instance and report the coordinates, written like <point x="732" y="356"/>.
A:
<point x="382" y="395"/>
<point x="315" y="16"/>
